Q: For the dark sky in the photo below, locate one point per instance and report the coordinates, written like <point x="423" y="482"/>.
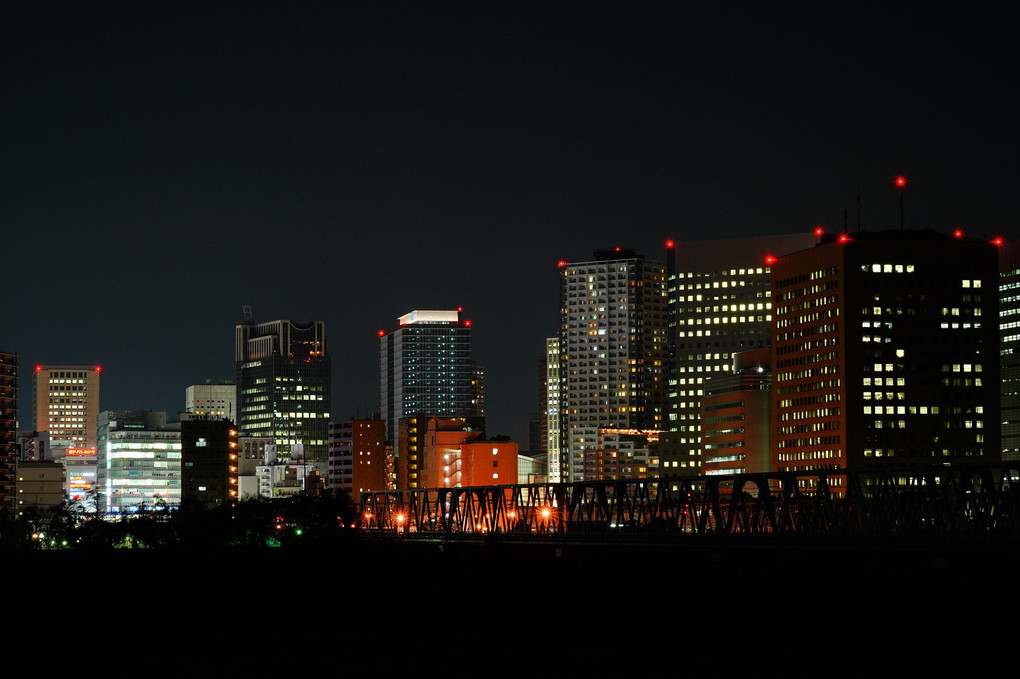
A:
<point x="164" y="164"/>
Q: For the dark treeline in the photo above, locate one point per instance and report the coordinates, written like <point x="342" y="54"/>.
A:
<point x="259" y="523"/>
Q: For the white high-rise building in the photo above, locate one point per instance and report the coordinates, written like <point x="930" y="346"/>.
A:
<point x="612" y="343"/>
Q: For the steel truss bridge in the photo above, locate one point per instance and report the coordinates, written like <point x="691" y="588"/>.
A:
<point x="923" y="501"/>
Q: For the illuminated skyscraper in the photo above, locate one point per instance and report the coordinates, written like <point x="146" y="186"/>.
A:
<point x="283" y="386"/>
<point x="613" y="350"/>
<point x="67" y="404"/>
<point x="719" y="305"/>
<point x="426" y="369"/>
<point x="885" y="352"/>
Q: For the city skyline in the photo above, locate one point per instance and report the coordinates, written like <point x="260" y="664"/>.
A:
<point x="348" y="164"/>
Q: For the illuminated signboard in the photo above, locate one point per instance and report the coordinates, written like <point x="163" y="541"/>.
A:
<point x="81" y="452"/>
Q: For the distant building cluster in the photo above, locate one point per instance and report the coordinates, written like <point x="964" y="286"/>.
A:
<point x="779" y="353"/>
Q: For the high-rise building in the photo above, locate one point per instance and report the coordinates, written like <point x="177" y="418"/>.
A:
<point x="9" y="434"/>
<point x="549" y="400"/>
<point x="212" y="400"/>
<point x="357" y="456"/>
<point x="885" y="352"/>
<point x="613" y="350"/>
<point x="67" y="404"/>
<point x="139" y="461"/>
<point x="283" y="387"/>
<point x="1009" y="348"/>
<point x="426" y="369"/>
<point x="719" y="304"/>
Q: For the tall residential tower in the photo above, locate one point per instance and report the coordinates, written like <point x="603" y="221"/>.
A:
<point x="613" y="349"/>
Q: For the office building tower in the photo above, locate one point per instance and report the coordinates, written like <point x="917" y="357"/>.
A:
<point x="1009" y="349"/>
<point x="613" y="350"/>
<point x="139" y="461"/>
<point x="719" y="304"/>
<point x="217" y="401"/>
<point x="357" y="456"/>
<point x="66" y="401"/>
<point x="885" y="352"/>
<point x="283" y="387"/>
<point x="9" y="434"/>
<point x="426" y="369"/>
<point x="209" y="461"/>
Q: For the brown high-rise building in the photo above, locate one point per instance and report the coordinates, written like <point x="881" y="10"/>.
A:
<point x="357" y="456"/>
<point x="885" y="352"/>
<point x="66" y="399"/>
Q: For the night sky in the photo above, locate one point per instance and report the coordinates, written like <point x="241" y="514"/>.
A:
<point x="164" y="164"/>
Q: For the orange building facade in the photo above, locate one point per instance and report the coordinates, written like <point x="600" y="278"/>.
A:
<point x="456" y="456"/>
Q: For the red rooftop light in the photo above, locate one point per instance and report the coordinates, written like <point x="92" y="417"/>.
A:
<point x="819" y="231"/>
<point x="669" y="244"/>
<point x="38" y="368"/>
<point x="997" y="241"/>
<point x="459" y="309"/>
<point x="381" y="333"/>
<point x="98" y="369"/>
<point x="467" y="323"/>
<point x="843" y="238"/>
<point x="617" y="248"/>
<point x="958" y="234"/>
<point x="561" y="263"/>
<point x="770" y="259"/>
<point x="901" y="181"/>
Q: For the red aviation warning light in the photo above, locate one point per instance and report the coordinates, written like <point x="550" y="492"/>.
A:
<point x="843" y="238"/>
<point x="467" y="324"/>
<point x="770" y="260"/>
<point x="819" y="231"/>
<point x="561" y="264"/>
<point x="98" y="369"/>
<point x="382" y="333"/>
<point x="901" y="181"/>
<point x="958" y="234"/>
<point x="669" y="245"/>
<point x="997" y="241"/>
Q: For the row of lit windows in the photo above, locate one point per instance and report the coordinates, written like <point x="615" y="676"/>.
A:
<point x="887" y="268"/>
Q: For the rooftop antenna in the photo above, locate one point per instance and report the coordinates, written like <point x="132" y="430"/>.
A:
<point x="246" y="311"/>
